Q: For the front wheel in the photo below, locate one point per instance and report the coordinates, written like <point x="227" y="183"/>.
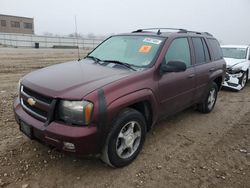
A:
<point x="243" y="80"/>
<point x="125" y="138"/>
<point x="208" y="104"/>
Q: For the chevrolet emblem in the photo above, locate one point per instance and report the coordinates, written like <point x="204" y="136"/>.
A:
<point x="31" y="101"/>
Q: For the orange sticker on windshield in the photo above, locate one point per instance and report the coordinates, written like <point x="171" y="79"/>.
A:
<point x="145" y="49"/>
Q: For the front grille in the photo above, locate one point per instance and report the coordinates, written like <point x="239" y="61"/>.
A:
<point x="232" y="84"/>
<point x="36" y="104"/>
<point x="38" y="96"/>
<point x="36" y="110"/>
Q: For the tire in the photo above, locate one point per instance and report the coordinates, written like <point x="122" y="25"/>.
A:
<point x="243" y="80"/>
<point x="208" y="104"/>
<point x="125" y="139"/>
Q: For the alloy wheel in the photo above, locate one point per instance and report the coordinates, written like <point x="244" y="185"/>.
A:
<point x="128" y="140"/>
<point x="244" y="80"/>
<point x="211" y="98"/>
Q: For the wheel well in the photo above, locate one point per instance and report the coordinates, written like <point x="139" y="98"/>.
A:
<point x="145" y="108"/>
<point x="218" y="81"/>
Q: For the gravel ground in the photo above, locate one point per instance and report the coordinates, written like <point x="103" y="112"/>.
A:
<point x="189" y="149"/>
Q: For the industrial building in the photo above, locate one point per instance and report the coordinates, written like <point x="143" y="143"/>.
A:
<point x="16" y="24"/>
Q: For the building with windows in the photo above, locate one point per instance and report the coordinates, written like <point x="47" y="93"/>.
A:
<point x="16" y="24"/>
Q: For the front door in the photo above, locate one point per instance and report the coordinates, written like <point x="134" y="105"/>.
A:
<point x="176" y="89"/>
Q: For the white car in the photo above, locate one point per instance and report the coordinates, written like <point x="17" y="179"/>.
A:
<point x="237" y="58"/>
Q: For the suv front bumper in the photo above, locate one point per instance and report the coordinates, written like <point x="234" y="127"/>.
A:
<point x="57" y="134"/>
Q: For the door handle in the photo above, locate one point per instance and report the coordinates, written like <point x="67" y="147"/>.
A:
<point x="212" y="69"/>
<point x="191" y="75"/>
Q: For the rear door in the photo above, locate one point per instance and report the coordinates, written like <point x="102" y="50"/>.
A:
<point x="203" y="66"/>
<point x="176" y="89"/>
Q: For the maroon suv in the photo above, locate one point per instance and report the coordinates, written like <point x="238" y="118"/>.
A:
<point x="105" y="103"/>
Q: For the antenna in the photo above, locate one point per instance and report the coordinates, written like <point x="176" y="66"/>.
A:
<point x="76" y="33"/>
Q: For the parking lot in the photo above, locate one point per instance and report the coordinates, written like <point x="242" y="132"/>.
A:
<point x="189" y="149"/>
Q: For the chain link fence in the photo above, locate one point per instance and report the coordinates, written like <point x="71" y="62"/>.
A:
<point x="36" y="41"/>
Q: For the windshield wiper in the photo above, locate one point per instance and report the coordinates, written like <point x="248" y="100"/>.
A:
<point x="96" y="60"/>
<point x="120" y="63"/>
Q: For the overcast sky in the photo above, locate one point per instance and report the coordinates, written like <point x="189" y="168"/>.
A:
<point x="228" y="20"/>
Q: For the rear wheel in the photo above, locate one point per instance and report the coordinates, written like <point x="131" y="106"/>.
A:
<point x="208" y="104"/>
<point x="125" y="138"/>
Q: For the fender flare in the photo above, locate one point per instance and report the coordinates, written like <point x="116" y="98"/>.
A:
<point x="115" y="106"/>
<point x="108" y="111"/>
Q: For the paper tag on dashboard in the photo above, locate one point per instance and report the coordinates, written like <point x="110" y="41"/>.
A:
<point x="153" y="41"/>
<point x="145" y="48"/>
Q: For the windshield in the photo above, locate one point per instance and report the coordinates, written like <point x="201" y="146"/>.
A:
<point x="236" y="53"/>
<point x="134" y="50"/>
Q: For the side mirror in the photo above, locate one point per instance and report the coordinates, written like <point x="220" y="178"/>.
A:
<point x="173" y="66"/>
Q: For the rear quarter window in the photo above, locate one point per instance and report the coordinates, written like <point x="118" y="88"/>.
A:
<point x="216" y="49"/>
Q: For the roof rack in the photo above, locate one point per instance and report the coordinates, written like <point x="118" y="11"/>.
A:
<point x="209" y="34"/>
<point x="178" y="29"/>
<point x="199" y="33"/>
<point x="159" y="30"/>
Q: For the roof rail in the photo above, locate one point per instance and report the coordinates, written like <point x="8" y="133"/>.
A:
<point x="159" y="30"/>
<point x="209" y="34"/>
<point x="178" y="29"/>
<point x="195" y="32"/>
<point x="199" y="33"/>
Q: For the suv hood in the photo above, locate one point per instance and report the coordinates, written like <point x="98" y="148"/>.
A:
<point x="72" y="80"/>
<point x="232" y="62"/>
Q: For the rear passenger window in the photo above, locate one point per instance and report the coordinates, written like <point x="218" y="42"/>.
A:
<point x="216" y="49"/>
<point x="179" y="51"/>
<point x="208" y="59"/>
<point x="199" y="51"/>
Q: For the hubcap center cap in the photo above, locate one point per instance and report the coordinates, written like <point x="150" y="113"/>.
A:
<point x="129" y="140"/>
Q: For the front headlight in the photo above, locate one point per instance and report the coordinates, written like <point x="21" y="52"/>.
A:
<point x="236" y="68"/>
<point x="75" y="112"/>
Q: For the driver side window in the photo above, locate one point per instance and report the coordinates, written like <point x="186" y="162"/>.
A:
<point x="179" y="51"/>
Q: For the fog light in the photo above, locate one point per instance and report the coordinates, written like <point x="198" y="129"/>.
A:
<point x="69" y="146"/>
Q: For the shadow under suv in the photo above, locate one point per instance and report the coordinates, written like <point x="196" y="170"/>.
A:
<point x="105" y="103"/>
